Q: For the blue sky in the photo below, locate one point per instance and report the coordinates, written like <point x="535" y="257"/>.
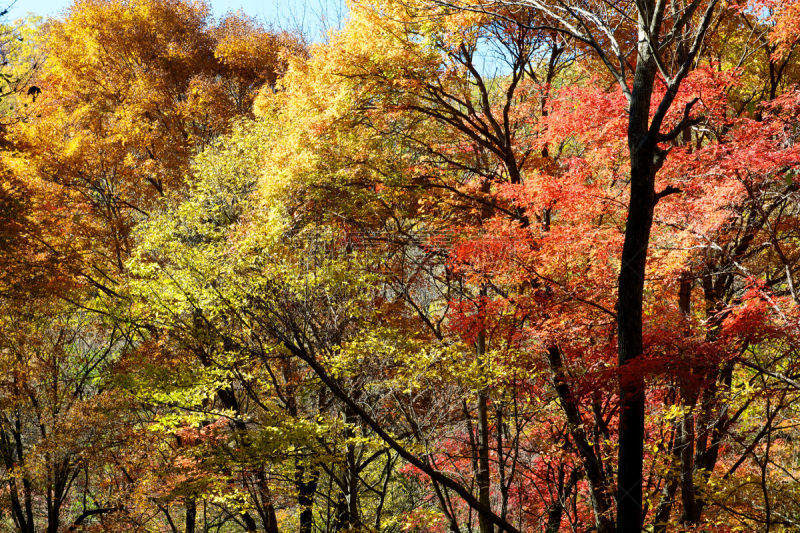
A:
<point x="312" y="16"/>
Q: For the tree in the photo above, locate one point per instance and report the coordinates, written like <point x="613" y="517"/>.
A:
<point x="136" y="89"/>
<point x="56" y="420"/>
<point x="403" y="87"/>
<point x="392" y="297"/>
<point x="413" y="87"/>
<point x="133" y="90"/>
<point x="642" y="44"/>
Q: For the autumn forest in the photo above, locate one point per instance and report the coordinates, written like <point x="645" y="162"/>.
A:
<point x="490" y="266"/>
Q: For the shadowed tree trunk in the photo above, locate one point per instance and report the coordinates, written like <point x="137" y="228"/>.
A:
<point x="483" y="443"/>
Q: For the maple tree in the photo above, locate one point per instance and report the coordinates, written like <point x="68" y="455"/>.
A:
<point x="414" y="86"/>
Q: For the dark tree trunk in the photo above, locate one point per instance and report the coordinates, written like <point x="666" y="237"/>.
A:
<point x="631" y="420"/>
<point x="249" y="522"/>
<point x="485" y="525"/>
<point x="191" y="515"/>
<point x="54" y="517"/>
<point x="306" y="488"/>
<point x="686" y="430"/>
<point x="12" y="452"/>
<point x="555" y="512"/>
<point x="642" y="148"/>
<point x="598" y="483"/>
<point x="342" y="521"/>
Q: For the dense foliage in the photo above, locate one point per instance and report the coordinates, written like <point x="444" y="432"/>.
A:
<point x="495" y="266"/>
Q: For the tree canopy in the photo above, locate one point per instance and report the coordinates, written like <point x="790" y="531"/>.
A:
<point x="496" y="266"/>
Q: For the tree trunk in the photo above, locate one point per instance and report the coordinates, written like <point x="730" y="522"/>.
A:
<point x="592" y="464"/>
<point x="267" y="510"/>
<point x="249" y="522"/>
<point x="191" y="515"/>
<point x="348" y="512"/>
<point x="642" y="148"/>
<point x="484" y="523"/>
<point x="306" y="488"/>
<point x="686" y="430"/>
<point x="632" y="399"/>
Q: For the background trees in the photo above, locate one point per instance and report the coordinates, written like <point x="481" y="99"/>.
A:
<point x="128" y="94"/>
